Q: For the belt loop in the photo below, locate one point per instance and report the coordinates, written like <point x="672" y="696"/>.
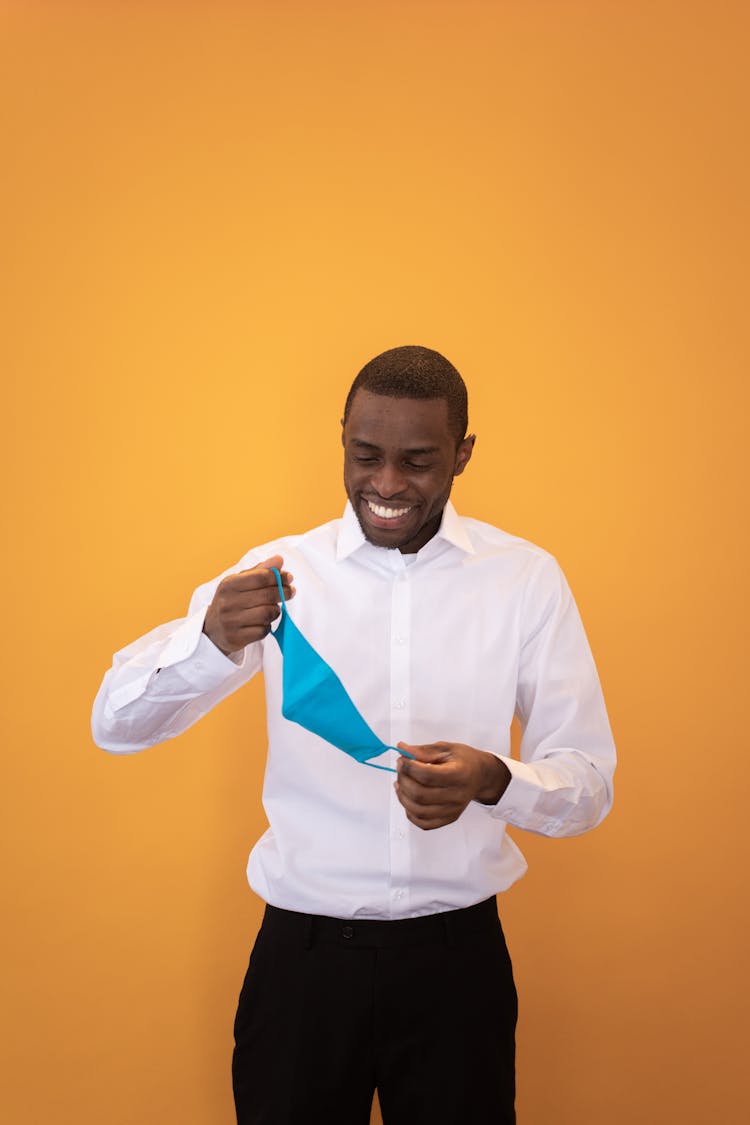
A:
<point x="309" y="930"/>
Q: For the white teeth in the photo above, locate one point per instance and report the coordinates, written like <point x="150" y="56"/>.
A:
<point x="387" y="513"/>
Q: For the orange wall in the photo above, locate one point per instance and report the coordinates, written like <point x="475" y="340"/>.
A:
<point x="215" y="213"/>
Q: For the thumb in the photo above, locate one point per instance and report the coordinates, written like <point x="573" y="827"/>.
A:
<point x="268" y="564"/>
<point x="433" y="752"/>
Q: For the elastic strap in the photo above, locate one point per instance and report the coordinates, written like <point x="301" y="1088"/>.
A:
<point x="404" y="754"/>
<point x="387" y="769"/>
<point x="278" y="583"/>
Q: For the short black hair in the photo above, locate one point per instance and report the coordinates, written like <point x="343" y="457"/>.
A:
<point x="415" y="372"/>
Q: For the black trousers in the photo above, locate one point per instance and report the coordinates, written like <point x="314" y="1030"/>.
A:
<point x="424" y="1009"/>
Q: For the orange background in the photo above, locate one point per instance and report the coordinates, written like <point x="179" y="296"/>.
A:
<point x="214" y="214"/>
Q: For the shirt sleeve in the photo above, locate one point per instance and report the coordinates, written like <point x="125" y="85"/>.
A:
<point x="161" y="684"/>
<point x="562" y="785"/>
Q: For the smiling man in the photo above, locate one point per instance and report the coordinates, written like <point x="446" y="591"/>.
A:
<point x="401" y="457"/>
<point x="381" y="961"/>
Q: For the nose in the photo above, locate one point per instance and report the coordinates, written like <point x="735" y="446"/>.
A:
<point x="388" y="481"/>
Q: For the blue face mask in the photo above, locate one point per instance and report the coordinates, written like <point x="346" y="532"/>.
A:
<point x="315" y="697"/>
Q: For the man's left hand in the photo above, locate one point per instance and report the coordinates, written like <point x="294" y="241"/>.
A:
<point x="437" y="786"/>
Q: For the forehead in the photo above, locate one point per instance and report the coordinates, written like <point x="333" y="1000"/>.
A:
<point x="403" y="423"/>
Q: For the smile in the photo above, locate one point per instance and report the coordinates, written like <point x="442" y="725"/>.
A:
<point x="387" y="513"/>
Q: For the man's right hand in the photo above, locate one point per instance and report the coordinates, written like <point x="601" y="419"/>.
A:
<point x="245" y="604"/>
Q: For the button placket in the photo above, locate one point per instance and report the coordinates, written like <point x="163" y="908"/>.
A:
<point x="400" y="657"/>
<point x="400" y="685"/>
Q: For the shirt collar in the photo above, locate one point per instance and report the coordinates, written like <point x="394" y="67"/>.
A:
<point x="452" y="530"/>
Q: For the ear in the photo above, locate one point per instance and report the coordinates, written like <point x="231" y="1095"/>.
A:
<point x="343" y="442"/>
<point x="463" y="454"/>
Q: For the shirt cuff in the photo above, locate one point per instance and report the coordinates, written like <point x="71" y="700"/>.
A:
<point x="519" y="804"/>
<point x="204" y="666"/>
<point x="199" y="666"/>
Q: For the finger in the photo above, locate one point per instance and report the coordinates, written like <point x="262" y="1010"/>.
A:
<point x="276" y="563"/>
<point x="275" y="560"/>
<point x="246" y="607"/>
<point x="251" y="629"/>
<point x="252" y="617"/>
<point x="433" y="816"/>
<point x="262" y="570"/>
<point x="431" y="752"/>
<point x="249" y="636"/>
<point x="429" y="825"/>
<point x="256" y="578"/>
<point x="419" y="799"/>
<point x="260" y="581"/>
<point x="436" y="817"/>
<point x="260" y="615"/>
<point x="257" y="595"/>
<point x="431" y="775"/>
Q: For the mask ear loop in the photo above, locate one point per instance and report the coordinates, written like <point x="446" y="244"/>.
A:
<point x="372" y="765"/>
<point x="283" y="599"/>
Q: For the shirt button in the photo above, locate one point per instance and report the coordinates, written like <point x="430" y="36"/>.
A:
<point x="398" y="894"/>
<point x="347" y="931"/>
<point x="399" y="704"/>
<point x="400" y="640"/>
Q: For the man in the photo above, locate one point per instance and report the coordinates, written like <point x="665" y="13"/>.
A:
<point x="381" y="961"/>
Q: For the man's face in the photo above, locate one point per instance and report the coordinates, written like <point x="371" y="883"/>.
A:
<point x="400" y="458"/>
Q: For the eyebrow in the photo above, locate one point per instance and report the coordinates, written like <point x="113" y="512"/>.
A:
<point x="419" y="451"/>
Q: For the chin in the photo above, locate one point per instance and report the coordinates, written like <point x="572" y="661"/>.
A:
<point x="382" y="537"/>
<point x="391" y="541"/>
<point x="385" y="541"/>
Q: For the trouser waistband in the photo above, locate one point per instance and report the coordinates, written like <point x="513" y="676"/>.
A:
<point x="450" y="927"/>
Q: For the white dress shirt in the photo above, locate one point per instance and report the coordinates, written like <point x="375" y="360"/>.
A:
<point x="479" y="625"/>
